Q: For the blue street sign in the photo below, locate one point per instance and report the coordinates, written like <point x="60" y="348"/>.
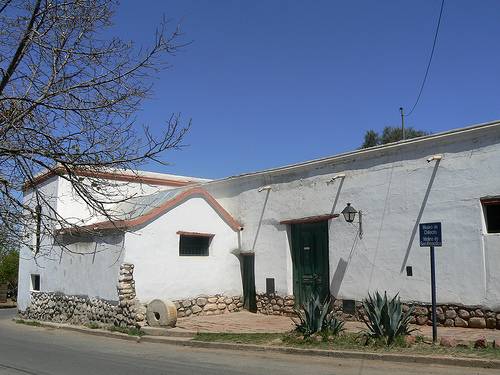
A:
<point x="430" y="235"/>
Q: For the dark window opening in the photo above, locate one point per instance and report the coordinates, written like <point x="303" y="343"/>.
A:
<point x="194" y="245"/>
<point x="35" y="283"/>
<point x="349" y="306"/>
<point x="409" y="271"/>
<point x="491" y="209"/>
<point x="270" y="286"/>
<point x="38" y="213"/>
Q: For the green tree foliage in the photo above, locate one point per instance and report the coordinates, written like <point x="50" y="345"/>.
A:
<point x="9" y="263"/>
<point x="390" y="134"/>
<point x="371" y="139"/>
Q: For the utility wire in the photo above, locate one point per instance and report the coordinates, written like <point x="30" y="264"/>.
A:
<point x="430" y="60"/>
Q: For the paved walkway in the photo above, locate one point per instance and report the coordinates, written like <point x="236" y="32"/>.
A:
<point x="245" y="322"/>
<point x="240" y="322"/>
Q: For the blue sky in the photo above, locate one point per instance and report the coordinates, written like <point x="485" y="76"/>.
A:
<point x="269" y="83"/>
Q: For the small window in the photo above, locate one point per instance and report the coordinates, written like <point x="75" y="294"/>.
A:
<point x="194" y="244"/>
<point x="35" y="283"/>
<point x="491" y="209"/>
<point x="349" y="306"/>
<point x="270" y="286"/>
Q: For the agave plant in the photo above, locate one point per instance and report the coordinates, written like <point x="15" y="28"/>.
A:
<point x="332" y="325"/>
<point x="311" y="316"/>
<point x="386" y="319"/>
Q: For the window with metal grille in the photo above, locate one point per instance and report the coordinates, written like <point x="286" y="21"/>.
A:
<point x="194" y="245"/>
<point x="491" y="209"/>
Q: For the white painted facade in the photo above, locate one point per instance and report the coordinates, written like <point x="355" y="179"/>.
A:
<point x="88" y="266"/>
<point x="393" y="185"/>
<point x="160" y="271"/>
<point x="395" y="188"/>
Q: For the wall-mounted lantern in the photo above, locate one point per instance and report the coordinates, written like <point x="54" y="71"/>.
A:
<point x="349" y="213"/>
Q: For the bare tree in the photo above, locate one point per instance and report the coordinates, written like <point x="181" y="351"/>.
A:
<point x="68" y="95"/>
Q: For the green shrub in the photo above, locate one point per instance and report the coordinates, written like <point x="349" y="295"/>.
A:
<point x="386" y="319"/>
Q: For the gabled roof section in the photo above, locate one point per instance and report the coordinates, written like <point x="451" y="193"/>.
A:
<point x="148" y="178"/>
<point x="469" y="131"/>
<point x="141" y="210"/>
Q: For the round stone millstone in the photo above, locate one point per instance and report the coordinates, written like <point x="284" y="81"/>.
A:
<point x="161" y="313"/>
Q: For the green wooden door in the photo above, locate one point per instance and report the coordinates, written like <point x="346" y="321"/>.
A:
<point x="310" y="260"/>
<point x="248" y="276"/>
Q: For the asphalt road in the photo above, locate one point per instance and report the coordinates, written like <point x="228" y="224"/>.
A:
<point x="35" y="350"/>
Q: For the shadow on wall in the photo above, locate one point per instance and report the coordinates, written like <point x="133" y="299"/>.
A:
<point x="343" y="264"/>
<point x="260" y="218"/>
<point x="419" y="216"/>
<point x="381" y="226"/>
<point x="337" y="195"/>
<point x="341" y="269"/>
<point x="338" y="277"/>
<point x="91" y="244"/>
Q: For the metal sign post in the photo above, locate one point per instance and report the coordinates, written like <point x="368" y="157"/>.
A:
<point x="433" y="295"/>
<point x="430" y="236"/>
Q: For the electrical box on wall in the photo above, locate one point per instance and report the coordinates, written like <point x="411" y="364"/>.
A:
<point x="409" y="271"/>
<point x="349" y="306"/>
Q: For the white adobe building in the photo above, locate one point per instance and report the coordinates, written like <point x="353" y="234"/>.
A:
<point x="279" y="231"/>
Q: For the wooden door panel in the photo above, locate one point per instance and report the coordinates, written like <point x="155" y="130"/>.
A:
<point x="310" y="260"/>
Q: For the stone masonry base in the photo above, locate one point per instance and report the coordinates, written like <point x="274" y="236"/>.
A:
<point x="208" y="305"/>
<point x="82" y="310"/>
<point x="448" y="315"/>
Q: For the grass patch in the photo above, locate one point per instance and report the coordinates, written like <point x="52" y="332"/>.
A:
<point x="239" y="338"/>
<point x="32" y="323"/>
<point x="92" y="325"/>
<point x="348" y="341"/>
<point x="131" y="331"/>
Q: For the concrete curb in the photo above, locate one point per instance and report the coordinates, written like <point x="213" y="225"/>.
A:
<point x="406" y="358"/>
<point x="88" y="331"/>
<point x="168" y="332"/>
<point x="388" y="357"/>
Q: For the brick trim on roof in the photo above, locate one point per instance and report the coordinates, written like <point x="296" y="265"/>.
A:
<point x="158" y="211"/>
<point x="114" y="176"/>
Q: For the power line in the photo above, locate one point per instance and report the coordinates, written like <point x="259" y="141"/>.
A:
<point x="430" y="60"/>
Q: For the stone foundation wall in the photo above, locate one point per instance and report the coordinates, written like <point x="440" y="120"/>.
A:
<point x="208" y="305"/>
<point x="447" y="315"/>
<point x="60" y="308"/>
<point x="273" y="304"/>
<point x="457" y="316"/>
<point x="82" y="310"/>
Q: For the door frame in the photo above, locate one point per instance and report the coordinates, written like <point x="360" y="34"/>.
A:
<point x="295" y="232"/>
<point x="248" y="281"/>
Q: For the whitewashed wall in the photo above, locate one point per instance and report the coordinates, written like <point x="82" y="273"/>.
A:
<point x="87" y="266"/>
<point x="392" y="186"/>
<point x="26" y="264"/>
<point x="159" y="270"/>
<point x="73" y="208"/>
